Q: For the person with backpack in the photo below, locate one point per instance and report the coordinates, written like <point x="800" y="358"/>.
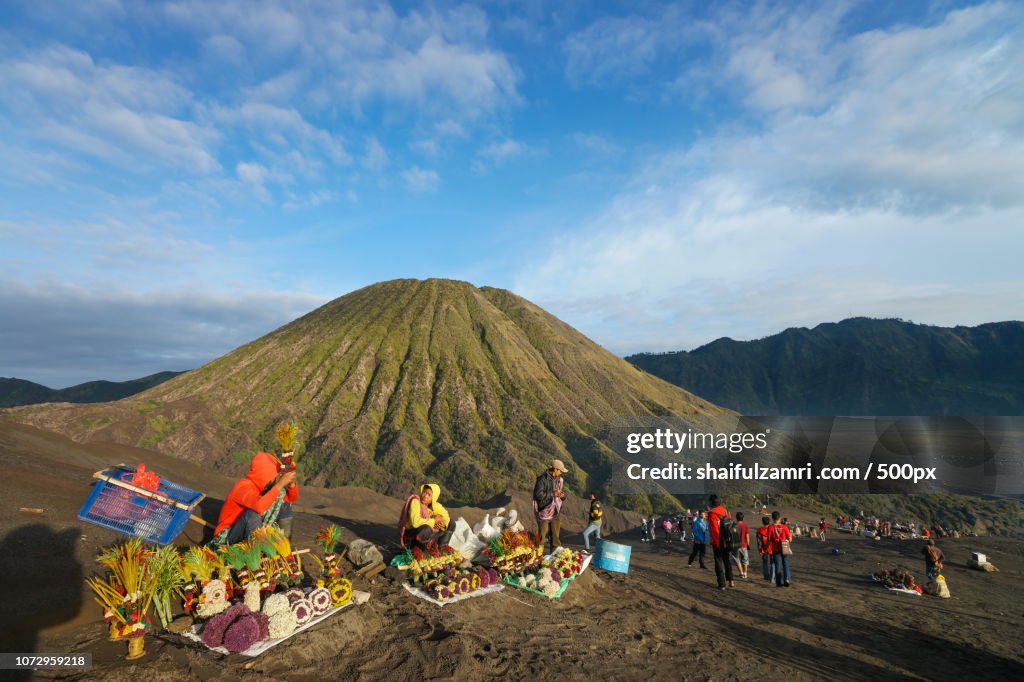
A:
<point x="780" y="537"/>
<point x="741" y="555"/>
<point x="548" y="494"/>
<point x="700" y="539"/>
<point x="594" y="526"/>
<point x="764" y="546"/>
<point x="724" y="538"/>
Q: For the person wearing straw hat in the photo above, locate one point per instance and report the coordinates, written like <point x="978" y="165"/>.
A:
<point x="548" y="493"/>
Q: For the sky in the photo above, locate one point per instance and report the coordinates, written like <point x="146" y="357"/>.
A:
<point x="182" y="177"/>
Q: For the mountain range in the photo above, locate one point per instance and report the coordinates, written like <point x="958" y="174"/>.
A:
<point x="15" y="392"/>
<point x="857" y="367"/>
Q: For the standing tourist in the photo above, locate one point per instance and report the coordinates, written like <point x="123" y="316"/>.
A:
<point x="595" y="517"/>
<point x="700" y="539"/>
<point x="781" y="537"/>
<point x="764" y="546"/>
<point x="720" y="547"/>
<point x="548" y="494"/>
<point x="741" y="555"/>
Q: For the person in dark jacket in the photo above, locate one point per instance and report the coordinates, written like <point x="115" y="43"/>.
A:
<point x="700" y="539"/>
<point x="595" y="517"/>
<point x="764" y="547"/>
<point x="548" y="493"/>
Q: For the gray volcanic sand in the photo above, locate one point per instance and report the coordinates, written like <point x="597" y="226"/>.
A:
<point x="663" y="620"/>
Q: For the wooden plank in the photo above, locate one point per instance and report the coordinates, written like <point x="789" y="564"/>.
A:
<point x="374" y="570"/>
<point x="201" y="522"/>
<point x="371" y="569"/>
<point x="148" y="493"/>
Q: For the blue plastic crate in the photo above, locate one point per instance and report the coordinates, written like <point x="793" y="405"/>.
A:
<point x="154" y="516"/>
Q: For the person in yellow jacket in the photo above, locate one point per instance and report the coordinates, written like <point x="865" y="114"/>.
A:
<point x="424" y="520"/>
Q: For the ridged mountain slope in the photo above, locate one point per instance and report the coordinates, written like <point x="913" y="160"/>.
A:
<point x="400" y="381"/>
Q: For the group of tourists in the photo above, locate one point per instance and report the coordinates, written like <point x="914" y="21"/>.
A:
<point x="669" y="527"/>
<point x="871" y="524"/>
<point x="729" y="539"/>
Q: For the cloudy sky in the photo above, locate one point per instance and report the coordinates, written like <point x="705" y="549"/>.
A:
<point x="181" y="177"/>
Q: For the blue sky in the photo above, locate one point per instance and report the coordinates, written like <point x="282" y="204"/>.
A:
<point x="182" y="177"/>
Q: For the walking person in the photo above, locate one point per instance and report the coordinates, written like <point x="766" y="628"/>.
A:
<point x="700" y="539"/>
<point x="548" y="493"/>
<point x="781" y="537"/>
<point x="720" y="546"/>
<point x="741" y="555"/>
<point x="764" y="547"/>
<point x="595" y="522"/>
<point x="822" y="527"/>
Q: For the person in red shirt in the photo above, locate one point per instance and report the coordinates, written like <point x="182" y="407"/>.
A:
<point x="723" y="564"/>
<point x="779" y="533"/>
<point x="764" y="546"/>
<point x="268" y="490"/>
<point x="741" y="555"/>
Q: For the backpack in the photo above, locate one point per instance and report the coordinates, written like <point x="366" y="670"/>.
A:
<point x="728" y="534"/>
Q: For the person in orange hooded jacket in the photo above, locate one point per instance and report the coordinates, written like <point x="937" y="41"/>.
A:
<point x="252" y="497"/>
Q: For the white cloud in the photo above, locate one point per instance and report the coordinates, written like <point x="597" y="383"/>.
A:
<point x="883" y="161"/>
<point x="595" y="143"/>
<point x="427" y="147"/>
<point x="100" y="335"/>
<point x="283" y="130"/>
<point x="421" y="180"/>
<point x="499" y="153"/>
<point x="131" y="116"/>
<point x="311" y="200"/>
<point x="615" y="48"/>
<point x="359" y="53"/>
<point x="255" y="176"/>
<point x="375" y="158"/>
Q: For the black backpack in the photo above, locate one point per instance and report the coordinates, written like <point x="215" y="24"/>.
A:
<point x="728" y="534"/>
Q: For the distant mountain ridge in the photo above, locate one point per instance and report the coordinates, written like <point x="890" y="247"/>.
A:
<point x="15" y="392"/>
<point x="860" y="366"/>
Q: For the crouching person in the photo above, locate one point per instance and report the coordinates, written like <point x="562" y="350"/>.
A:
<point x="264" y="496"/>
<point x="423" y="519"/>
